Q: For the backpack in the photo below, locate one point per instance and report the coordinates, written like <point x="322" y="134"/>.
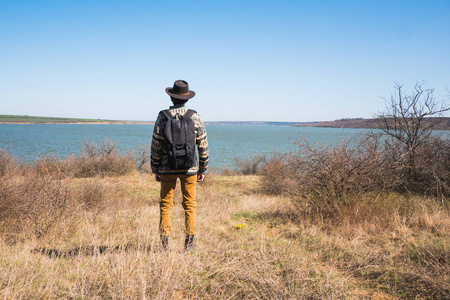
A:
<point x="180" y="140"/>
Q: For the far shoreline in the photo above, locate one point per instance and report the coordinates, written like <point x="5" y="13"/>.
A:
<point x="78" y="123"/>
<point x="442" y="124"/>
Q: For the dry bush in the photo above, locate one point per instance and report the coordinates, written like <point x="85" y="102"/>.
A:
<point x="278" y="175"/>
<point x="103" y="160"/>
<point x="408" y="120"/>
<point x="112" y="165"/>
<point x="8" y="164"/>
<point x="336" y="182"/>
<point x="36" y="204"/>
<point x="433" y="167"/>
<point x="143" y="159"/>
<point x="252" y="165"/>
<point x="407" y="159"/>
<point x="53" y="166"/>
<point x="33" y="203"/>
<point x="355" y="165"/>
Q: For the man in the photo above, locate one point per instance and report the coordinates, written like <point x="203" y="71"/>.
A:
<point x="167" y="168"/>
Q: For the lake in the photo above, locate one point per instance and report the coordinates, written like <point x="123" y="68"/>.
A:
<point x="226" y="142"/>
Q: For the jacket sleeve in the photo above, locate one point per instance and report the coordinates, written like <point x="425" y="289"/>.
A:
<point x="157" y="145"/>
<point x="202" y="145"/>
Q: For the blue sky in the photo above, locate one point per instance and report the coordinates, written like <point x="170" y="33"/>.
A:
<point x="246" y="60"/>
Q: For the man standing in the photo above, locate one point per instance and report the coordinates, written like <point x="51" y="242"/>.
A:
<point x="177" y="131"/>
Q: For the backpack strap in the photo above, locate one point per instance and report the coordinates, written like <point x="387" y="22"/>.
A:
<point x="167" y="114"/>
<point x="189" y="113"/>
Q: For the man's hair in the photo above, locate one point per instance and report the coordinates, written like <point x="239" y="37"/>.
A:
<point x="178" y="101"/>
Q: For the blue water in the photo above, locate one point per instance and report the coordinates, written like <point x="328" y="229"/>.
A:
<point x="226" y="142"/>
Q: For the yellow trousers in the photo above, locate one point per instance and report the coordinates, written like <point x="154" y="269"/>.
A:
<point x="188" y="188"/>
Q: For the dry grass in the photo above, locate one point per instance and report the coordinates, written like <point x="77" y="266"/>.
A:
<point x="105" y="244"/>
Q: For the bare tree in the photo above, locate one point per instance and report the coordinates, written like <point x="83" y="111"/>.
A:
<point x="410" y="119"/>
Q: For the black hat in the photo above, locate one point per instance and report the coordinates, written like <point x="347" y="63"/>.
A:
<point x="180" y="90"/>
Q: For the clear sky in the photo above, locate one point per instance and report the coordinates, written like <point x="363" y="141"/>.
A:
<point x="246" y="60"/>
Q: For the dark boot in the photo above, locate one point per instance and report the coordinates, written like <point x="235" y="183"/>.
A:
<point x="165" y="242"/>
<point x="189" y="243"/>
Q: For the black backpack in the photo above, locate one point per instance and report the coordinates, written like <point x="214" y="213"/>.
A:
<point x="180" y="140"/>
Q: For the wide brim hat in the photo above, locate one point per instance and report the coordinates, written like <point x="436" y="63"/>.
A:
<point x="180" y="90"/>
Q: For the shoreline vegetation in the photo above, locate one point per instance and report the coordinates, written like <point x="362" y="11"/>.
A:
<point x="356" y="123"/>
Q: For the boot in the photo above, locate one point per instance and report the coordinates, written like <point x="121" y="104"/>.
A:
<point x="165" y="242"/>
<point x="189" y="243"/>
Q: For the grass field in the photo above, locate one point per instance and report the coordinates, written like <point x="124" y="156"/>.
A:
<point x="250" y="246"/>
<point x="33" y="119"/>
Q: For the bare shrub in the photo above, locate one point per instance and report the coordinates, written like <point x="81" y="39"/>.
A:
<point x="143" y="159"/>
<point x="92" y="150"/>
<point x="432" y="167"/>
<point x="355" y="165"/>
<point x="408" y="120"/>
<point x="278" y="175"/>
<point x="252" y="165"/>
<point x="53" y="166"/>
<point x="330" y="176"/>
<point x="350" y="178"/>
<point x="36" y="204"/>
<point x="8" y="164"/>
<point x="112" y="165"/>
<point x="103" y="160"/>
<point x="33" y="203"/>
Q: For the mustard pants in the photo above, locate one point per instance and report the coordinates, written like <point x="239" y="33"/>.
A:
<point x="188" y="188"/>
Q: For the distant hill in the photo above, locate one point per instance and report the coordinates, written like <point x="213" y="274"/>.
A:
<point x="252" y="123"/>
<point x="444" y="123"/>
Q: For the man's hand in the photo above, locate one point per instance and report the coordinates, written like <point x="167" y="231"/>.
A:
<point x="157" y="178"/>
<point x="200" y="177"/>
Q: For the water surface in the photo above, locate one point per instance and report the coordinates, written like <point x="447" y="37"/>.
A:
<point x="31" y="141"/>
